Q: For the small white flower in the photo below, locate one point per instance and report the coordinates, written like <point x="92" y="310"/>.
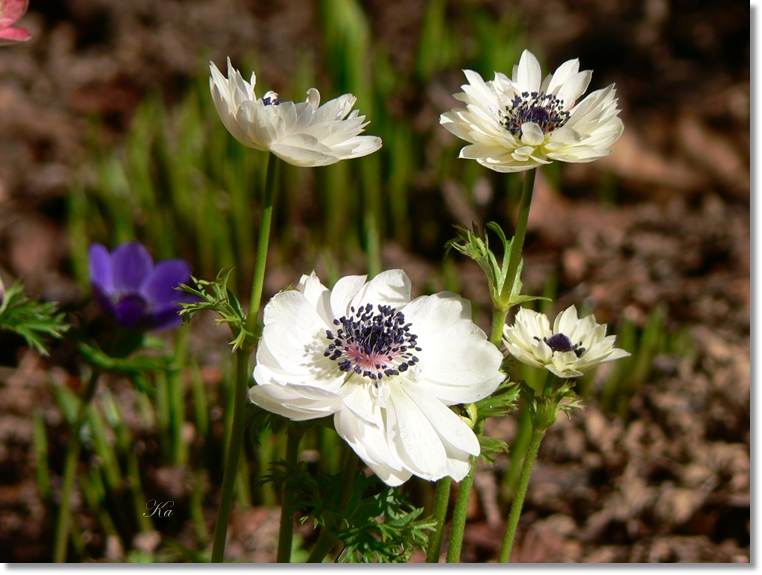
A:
<point x="515" y="124"/>
<point x="574" y="346"/>
<point x="302" y="134"/>
<point x="385" y="367"/>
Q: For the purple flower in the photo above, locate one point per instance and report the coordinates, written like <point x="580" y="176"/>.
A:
<point x="139" y="294"/>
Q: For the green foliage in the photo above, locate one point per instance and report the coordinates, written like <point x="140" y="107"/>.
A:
<point x="130" y="366"/>
<point x="384" y="528"/>
<point x="473" y="245"/>
<point x="491" y="446"/>
<point x="544" y="407"/>
<point x="215" y="296"/>
<point x="31" y="319"/>
<point x="439" y="47"/>
<point x="629" y="374"/>
<point x="502" y="401"/>
<point x="376" y="527"/>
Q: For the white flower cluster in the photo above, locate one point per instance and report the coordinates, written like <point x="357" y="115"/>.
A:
<point x="385" y="366"/>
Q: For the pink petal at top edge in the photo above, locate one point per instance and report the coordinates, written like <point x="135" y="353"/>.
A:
<point x="12" y="10"/>
<point x="11" y="36"/>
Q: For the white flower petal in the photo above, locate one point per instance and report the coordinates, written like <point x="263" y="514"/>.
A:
<point x="369" y="443"/>
<point x="529" y="73"/>
<point x="290" y="402"/>
<point x="391" y="287"/>
<point x="573" y="88"/>
<point x="561" y="75"/>
<point x="361" y="404"/>
<point x="457" y="362"/>
<point x="317" y="295"/>
<point x="451" y="429"/>
<point x="532" y="134"/>
<point x="413" y="439"/>
<point x="343" y="292"/>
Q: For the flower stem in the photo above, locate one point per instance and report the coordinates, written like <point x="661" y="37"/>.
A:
<point x="286" y="531"/>
<point x="498" y="321"/>
<point x="233" y="452"/>
<point x="521" y="491"/>
<point x="242" y="368"/>
<point x="441" y="499"/>
<point x="517" y="245"/>
<point x="70" y="470"/>
<point x="264" y="240"/>
<point x="327" y="538"/>
<point x="461" y="508"/>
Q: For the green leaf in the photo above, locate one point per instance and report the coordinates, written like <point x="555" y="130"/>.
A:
<point x="471" y="244"/>
<point x="379" y="525"/>
<point x="502" y="401"/>
<point x="31" y="319"/>
<point x="215" y="296"/>
<point x="127" y="365"/>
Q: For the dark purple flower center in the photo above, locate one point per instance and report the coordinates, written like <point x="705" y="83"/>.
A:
<point x="545" y="110"/>
<point x="559" y="342"/>
<point x="373" y="344"/>
<point x="271" y="99"/>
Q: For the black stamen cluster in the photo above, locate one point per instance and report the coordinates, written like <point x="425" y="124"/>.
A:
<point x="559" y="342"/>
<point x="268" y="101"/>
<point x="383" y="334"/>
<point x="545" y="110"/>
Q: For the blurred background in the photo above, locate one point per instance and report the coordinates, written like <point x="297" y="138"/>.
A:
<point x="108" y="133"/>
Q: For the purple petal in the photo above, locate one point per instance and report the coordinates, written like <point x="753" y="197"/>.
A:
<point x="100" y="268"/>
<point x="104" y="300"/>
<point x="131" y="310"/>
<point x="130" y="263"/>
<point x="165" y="319"/>
<point x="158" y="287"/>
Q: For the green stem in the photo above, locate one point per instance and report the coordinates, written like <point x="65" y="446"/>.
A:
<point x="264" y="241"/>
<point x="518" y="451"/>
<point x="498" y="321"/>
<point x="547" y="388"/>
<point x="517" y="244"/>
<point x="233" y="452"/>
<point x="327" y="538"/>
<point x="372" y="243"/>
<point x="286" y="532"/>
<point x="441" y="499"/>
<point x="521" y="491"/>
<point x="70" y="470"/>
<point x="242" y="368"/>
<point x="461" y="508"/>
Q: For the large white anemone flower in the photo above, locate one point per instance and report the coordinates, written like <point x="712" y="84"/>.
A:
<point x="515" y="124"/>
<point x="573" y="347"/>
<point x="302" y="134"/>
<point x="384" y="366"/>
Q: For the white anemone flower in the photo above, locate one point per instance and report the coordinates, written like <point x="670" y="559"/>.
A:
<point x="515" y="124"/>
<point x="384" y="366"/>
<point x="573" y="347"/>
<point x="302" y="134"/>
